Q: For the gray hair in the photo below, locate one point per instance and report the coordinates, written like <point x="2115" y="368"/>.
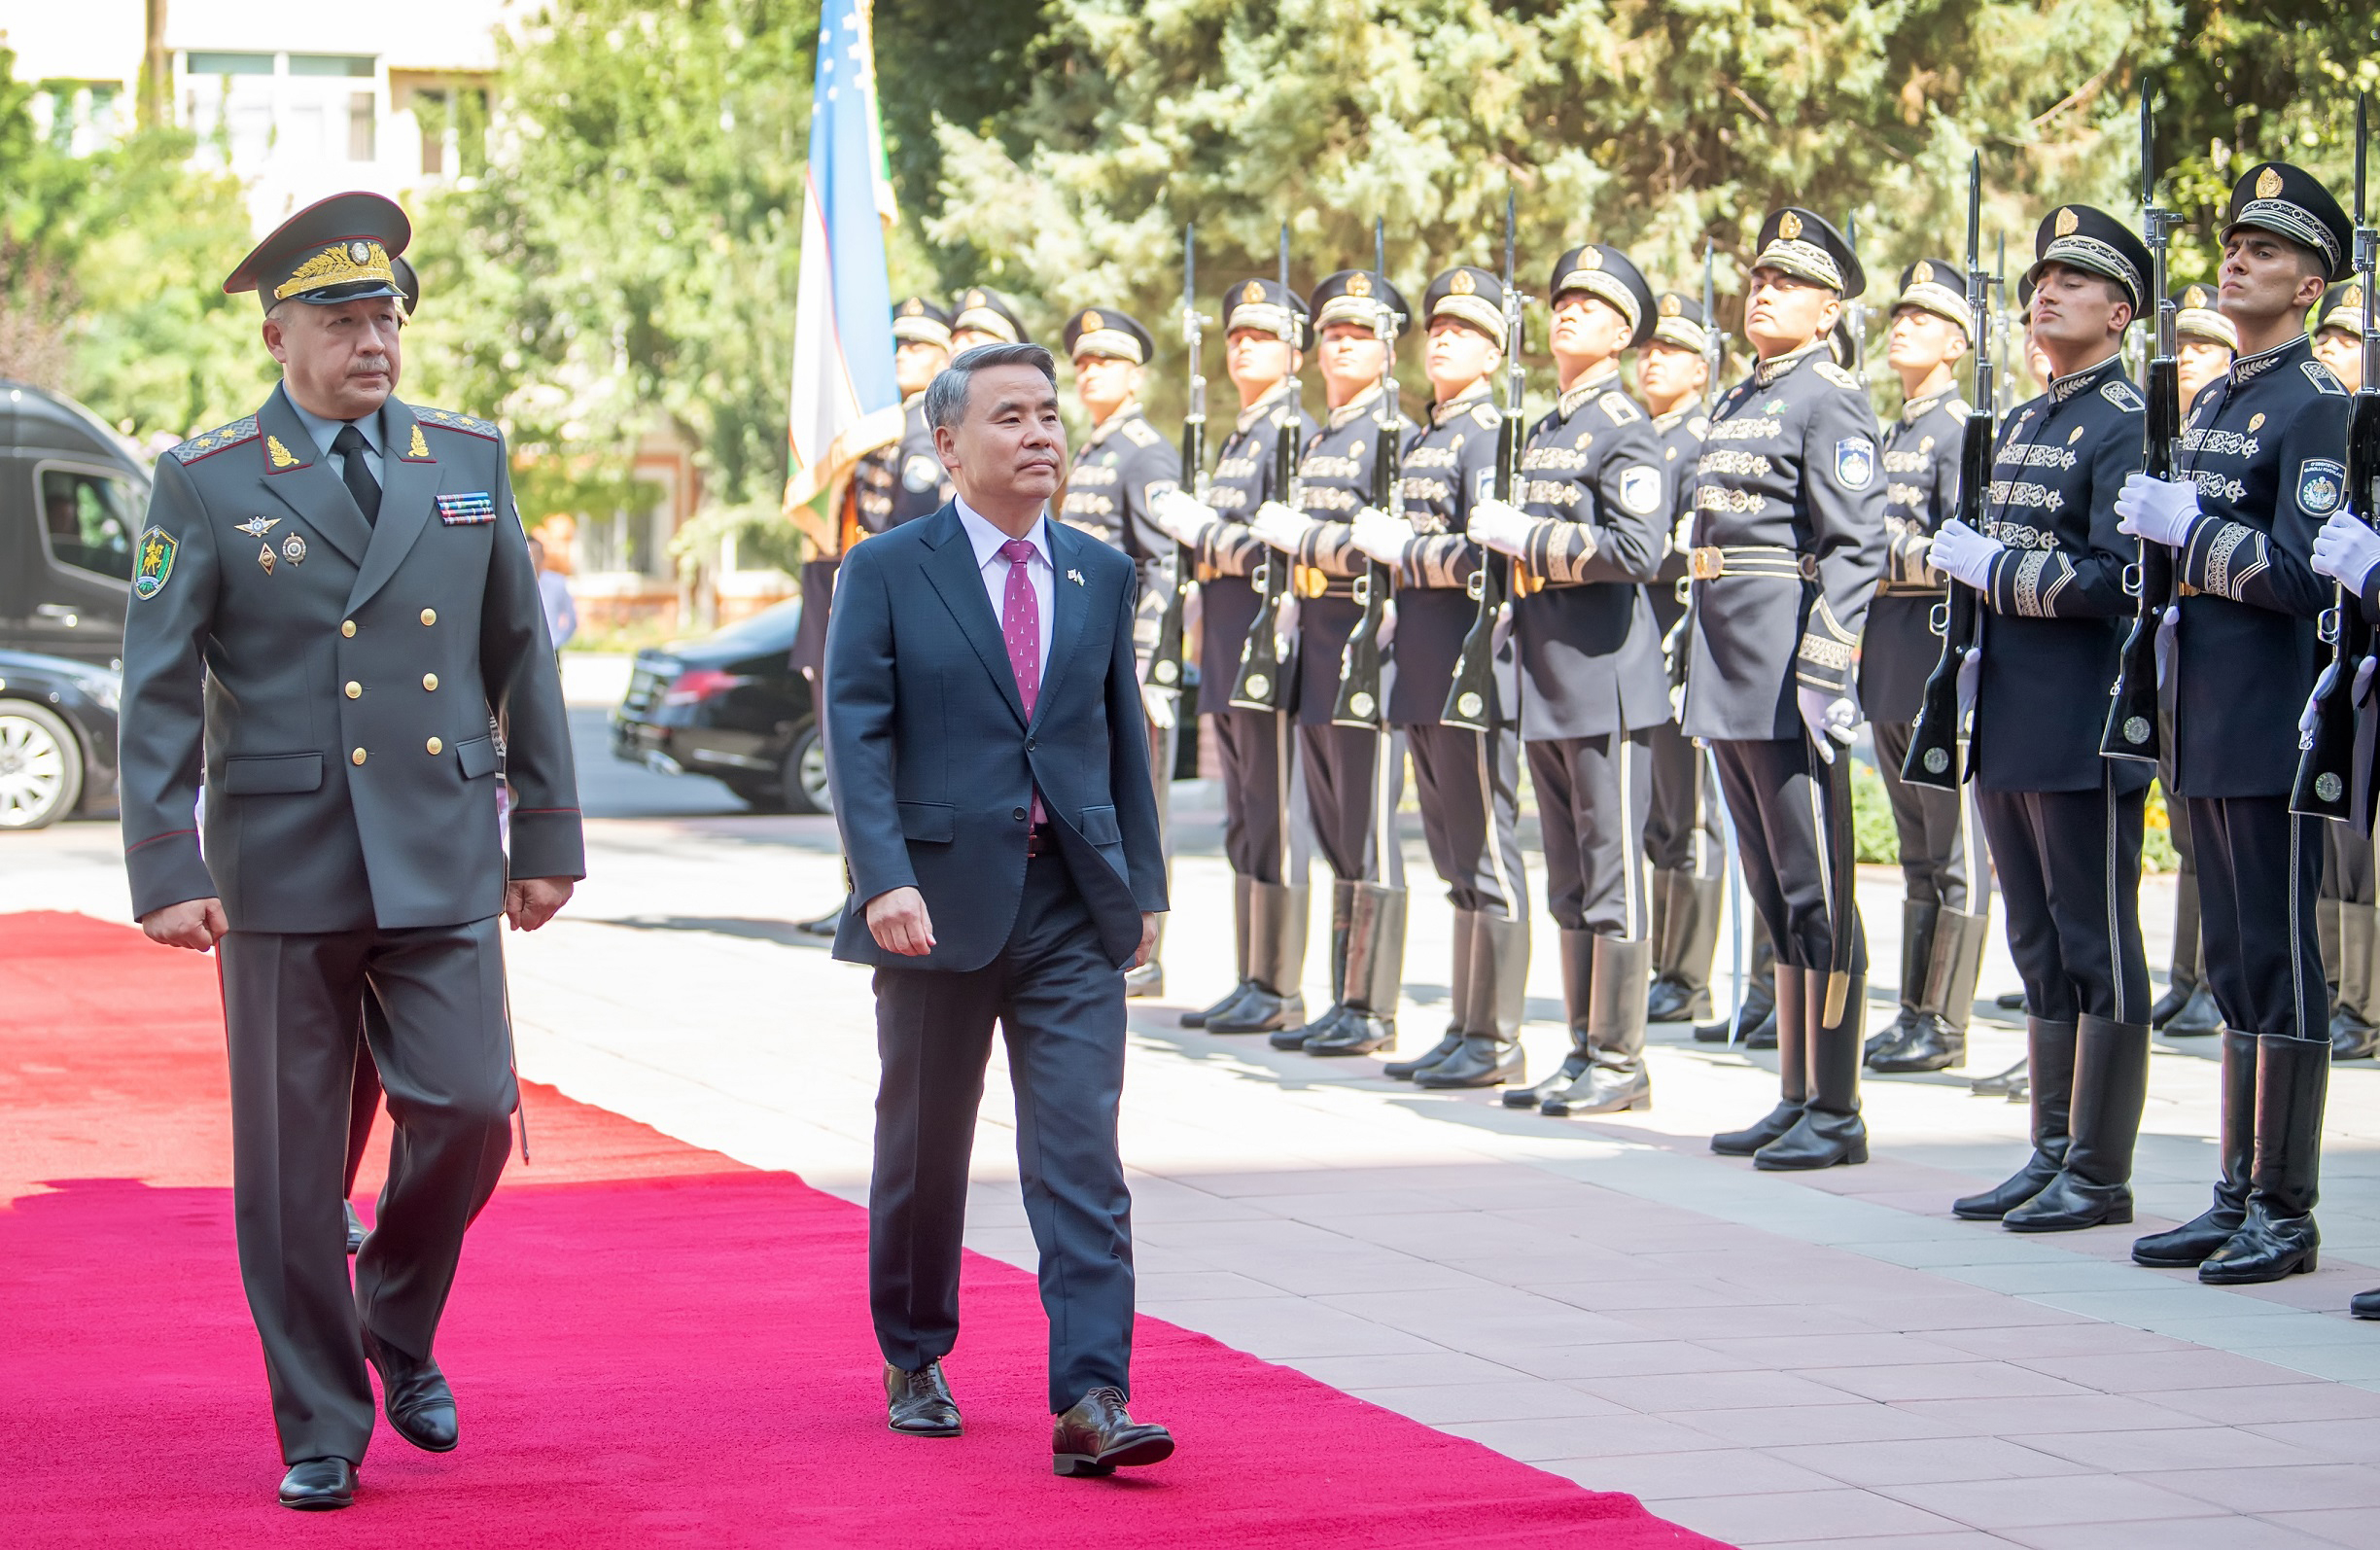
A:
<point x="946" y="397"/>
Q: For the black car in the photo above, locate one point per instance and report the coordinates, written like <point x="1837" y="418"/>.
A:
<point x="57" y="738"/>
<point x="71" y="496"/>
<point x="730" y="706"/>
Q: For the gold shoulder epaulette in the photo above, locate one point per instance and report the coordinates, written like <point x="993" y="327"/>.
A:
<point x="468" y="425"/>
<point x="215" y="440"/>
<point x="1139" y="432"/>
<point x="1616" y="406"/>
<point x="1487" y="416"/>
<point x="1839" y="376"/>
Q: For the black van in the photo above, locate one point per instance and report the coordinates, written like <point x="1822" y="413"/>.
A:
<point x="72" y="494"/>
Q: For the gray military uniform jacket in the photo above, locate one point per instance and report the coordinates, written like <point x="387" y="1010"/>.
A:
<point x="333" y="681"/>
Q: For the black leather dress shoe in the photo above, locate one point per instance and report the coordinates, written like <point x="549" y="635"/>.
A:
<point x="1099" y="1437"/>
<point x="825" y="924"/>
<point x="919" y="1404"/>
<point x="319" y="1485"/>
<point x="414" y="1394"/>
<point x="1198" y="1019"/>
<point x="355" y="1226"/>
<point x="2364" y="1304"/>
<point x="1669" y="1002"/>
<point x="1406" y="1070"/>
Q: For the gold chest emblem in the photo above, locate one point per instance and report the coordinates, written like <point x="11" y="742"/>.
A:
<point x="2256" y="423"/>
<point x="282" y="457"/>
<point x="420" y="449"/>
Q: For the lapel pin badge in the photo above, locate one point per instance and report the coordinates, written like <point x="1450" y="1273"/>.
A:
<point x="1076" y="577"/>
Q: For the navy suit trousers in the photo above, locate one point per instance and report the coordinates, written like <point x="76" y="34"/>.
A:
<point x="1060" y="1000"/>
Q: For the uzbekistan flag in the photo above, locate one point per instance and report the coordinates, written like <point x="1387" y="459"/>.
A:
<point x="846" y="402"/>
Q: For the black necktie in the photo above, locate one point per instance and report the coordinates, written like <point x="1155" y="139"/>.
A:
<point x="349" y="446"/>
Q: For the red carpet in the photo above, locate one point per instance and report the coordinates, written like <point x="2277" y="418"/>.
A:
<point x="651" y="1345"/>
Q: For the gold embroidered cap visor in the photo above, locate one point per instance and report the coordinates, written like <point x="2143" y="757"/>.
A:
<point x="1931" y="285"/>
<point x="2202" y="321"/>
<point x="338" y="249"/>
<point x="1357" y="296"/>
<point x="1105" y="332"/>
<point x="2094" y="242"/>
<point x="2341" y="308"/>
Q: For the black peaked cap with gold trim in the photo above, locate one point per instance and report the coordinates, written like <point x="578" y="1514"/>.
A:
<point x="1939" y="286"/>
<point x="2195" y="317"/>
<point x="335" y="250"/>
<point x="2341" y="308"/>
<point x="1470" y="295"/>
<point x="2081" y="237"/>
<point x="1805" y="245"/>
<point x="1357" y="296"/>
<point x="1609" y="276"/>
<point x="1678" y="321"/>
<point x="987" y="311"/>
<point x="1102" y="331"/>
<point x="1267" y="307"/>
<point x="2290" y="202"/>
<point x="408" y="284"/>
<point x="917" y="321"/>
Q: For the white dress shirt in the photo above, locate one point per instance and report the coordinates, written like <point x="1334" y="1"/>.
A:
<point x="1039" y="572"/>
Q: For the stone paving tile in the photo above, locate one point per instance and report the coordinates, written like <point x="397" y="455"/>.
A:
<point x="1488" y="1317"/>
<point x="2024" y="1417"/>
<point x="2168" y="1448"/>
<point x="2309" y="1401"/>
<point x="1945" y="1379"/>
<point x="1685" y="1393"/>
<point x="1778" y="1518"/>
<point x="1531" y="1441"/>
<point x="1190" y="1285"/>
<point x="2052" y="1500"/>
<point x="2301" y="1487"/>
<point x="1349" y="1269"/>
<point x="1403" y="1370"/>
<point x="2356" y="1441"/>
<point x="1924" y="1460"/>
<point x="1782" y="1425"/>
<point x="1615" y="1296"/>
<point x="1709" y="1472"/>
<point x="2147" y="1372"/>
<point x="1623" y="1359"/>
<point x="1962" y="1540"/>
<point x="1512" y="1400"/>
<point x="2171" y="1534"/>
<point x="1863" y="1349"/>
<point x="1789" y="1320"/>
<point x="1280" y="1329"/>
<point x="2351" y="1527"/>
<point x="2084" y="1339"/>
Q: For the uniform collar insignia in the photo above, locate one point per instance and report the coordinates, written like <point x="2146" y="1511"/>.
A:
<point x="1128" y="410"/>
<point x="1263" y="406"/>
<point x="1768" y="371"/>
<point x="2247" y="367"/>
<point x="2065" y="387"/>
<point x="1589" y="387"/>
<point x="1460" y="402"/>
<point x="1914" y="409"/>
<point x="1345" y="413"/>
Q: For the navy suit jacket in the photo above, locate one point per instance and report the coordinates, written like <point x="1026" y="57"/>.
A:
<point x="933" y="762"/>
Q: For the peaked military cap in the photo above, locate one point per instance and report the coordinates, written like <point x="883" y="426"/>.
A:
<point x="1357" y="296"/>
<point x="1804" y="244"/>
<point x="987" y="311"/>
<point x="1938" y="287"/>
<point x="2341" y="308"/>
<point x="1102" y="331"/>
<point x="1268" y="307"/>
<point x="2096" y="241"/>
<point x="1467" y="294"/>
<point x="1606" y="273"/>
<point x="917" y="321"/>
<point x="2195" y="317"/>
<point x="408" y="284"/>
<point x="335" y="250"/>
<point x="2289" y="202"/>
<point x="1678" y="321"/>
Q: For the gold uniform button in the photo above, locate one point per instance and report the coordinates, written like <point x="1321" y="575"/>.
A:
<point x="436" y="745"/>
<point x="430" y="681"/>
<point x="429" y="615"/>
<point x="356" y="758"/>
<point x="347" y="629"/>
<point x="355" y="690"/>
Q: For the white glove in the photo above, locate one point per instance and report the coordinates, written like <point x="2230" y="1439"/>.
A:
<point x="1280" y="527"/>
<point x="1182" y="517"/>
<point x="1960" y="551"/>
<point x="1501" y="526"/>
<point x="1970" y="678"/>
<point x="2161" y="511"/>
<point x="1380" y="536"/>
<point x="2311" y="716"/>
<point x="2346" y="550"/>
<point x="1161" y="703"/>
<point x="1387" y="629"/>
<point x="2167" y="628"/>
<point x="1832" y="718"/>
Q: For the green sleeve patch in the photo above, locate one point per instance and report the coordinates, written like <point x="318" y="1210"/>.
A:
<point x="156" y="564"/>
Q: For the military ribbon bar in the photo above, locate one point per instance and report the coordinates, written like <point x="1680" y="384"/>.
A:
<point x="466" y="511"/>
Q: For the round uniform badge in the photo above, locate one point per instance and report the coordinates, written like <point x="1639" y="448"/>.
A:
<point x="2136" y="730"/>
<point x="1470" y="704"/>
<point x="293" y="549"/>
<point x="1936" y="761"/>
<point x="1258" y="686"/>
<point x="1166" y="674"/>
<point x="2326" y="787"/>
<point x="1361" y="703"/>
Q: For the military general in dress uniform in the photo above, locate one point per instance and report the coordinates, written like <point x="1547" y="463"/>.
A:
<point x="330" y="600"/>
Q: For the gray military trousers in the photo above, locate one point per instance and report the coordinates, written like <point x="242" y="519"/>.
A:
<point x="291" y="1005"/>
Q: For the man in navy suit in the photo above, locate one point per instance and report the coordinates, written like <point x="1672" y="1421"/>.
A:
<point x="990" y="762"/>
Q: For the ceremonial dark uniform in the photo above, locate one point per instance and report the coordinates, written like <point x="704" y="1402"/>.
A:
<point x="1945" y="913"/>
<point x="2266" y="447"/>
<point x="2346" y="920"/>
<point x="1789" y="507"/>
<point x="324" y="643"/>
<point x="1593" y="687"/>
<point x="1265" y="834"/>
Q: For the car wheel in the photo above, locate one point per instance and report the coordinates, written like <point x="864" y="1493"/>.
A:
<point x="805" y="774"/>
<point x="41" y="767"/>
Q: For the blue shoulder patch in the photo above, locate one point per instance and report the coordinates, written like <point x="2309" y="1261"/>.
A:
<point x="214" y="441"/>
<point x="449" y="420"/>
<point x="2322" y="485"/>
<point x="1854" y="462"/>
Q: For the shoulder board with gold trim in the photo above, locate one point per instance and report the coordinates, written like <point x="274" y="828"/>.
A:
<point x="449" y="420"/>
<point x="2123" y="395"/>
<point x="2321" y="376"/>
<point x="1616" y="405"/>
<point x="1487" y="416"/>
<point x="1139" y="432"/>
<point x="1838" y="375"/>
<point x="1959" y="410"/>
<point x="213" y="441"/>
<point x="1700" y="425"/>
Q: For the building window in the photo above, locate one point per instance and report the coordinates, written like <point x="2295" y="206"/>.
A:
<point x="361" y="126"/>
<point x="430" y="112"/>
<point x="212" y="65"/>
<point x="340" y="64"/>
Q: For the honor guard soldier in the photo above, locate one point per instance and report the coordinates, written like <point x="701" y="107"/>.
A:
<point x="330" y="600"/>
<point x="1789" y="510"/>
<point x="1467" y="781"/>
<point x="894" y="483"/>
<point x="2205" y="341"/>
<point x="1589" y="527"/>
<point x="981" y="315"/>
<point x="1122" y="467"/>
<point x="1354" y="778"/>
<point x="2347" y="922"/>
<point x="2064" y="824"/>
<point x="1265" y="833"/>
<point x="2262" y="466"/>
<point x="1684" y="843"/>
<point x="1945" y="911"/>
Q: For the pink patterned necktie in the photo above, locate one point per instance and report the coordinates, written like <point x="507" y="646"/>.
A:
<point x="1021" y="627"/>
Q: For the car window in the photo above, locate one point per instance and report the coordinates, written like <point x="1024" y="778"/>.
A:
<point x="89" y="521"/>
<point x="771" y="629"/>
